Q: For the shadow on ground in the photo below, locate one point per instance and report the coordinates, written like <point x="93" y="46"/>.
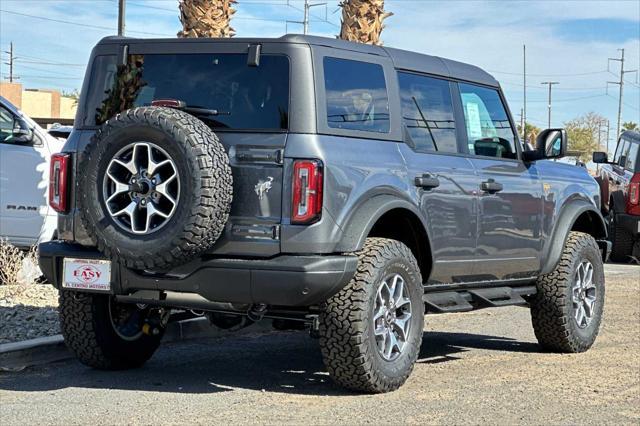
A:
<point x="278" y="362"/>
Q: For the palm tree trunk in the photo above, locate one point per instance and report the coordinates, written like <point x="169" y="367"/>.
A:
<point x="206" y="18"/>
<point x="362" y="20"/>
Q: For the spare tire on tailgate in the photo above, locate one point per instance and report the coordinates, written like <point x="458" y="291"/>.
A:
<point x="154" y="187"/>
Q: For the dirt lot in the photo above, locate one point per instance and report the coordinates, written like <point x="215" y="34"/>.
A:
<point x="480" y="367"/>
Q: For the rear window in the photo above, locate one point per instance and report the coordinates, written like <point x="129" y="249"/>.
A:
<point x="243" y="97"/>
<point x="356" y="95"/>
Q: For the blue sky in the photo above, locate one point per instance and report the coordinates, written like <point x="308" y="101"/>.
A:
<point x="567" y="41"/>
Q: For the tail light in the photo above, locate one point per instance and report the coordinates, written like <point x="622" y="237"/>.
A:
<point x="307" y="191"/>
<point x="633" y="196"/>
<point x="58" y="175"/>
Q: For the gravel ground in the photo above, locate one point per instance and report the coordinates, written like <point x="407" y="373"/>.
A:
<point x="27" y="312"/>
<point x="474" y="368"/>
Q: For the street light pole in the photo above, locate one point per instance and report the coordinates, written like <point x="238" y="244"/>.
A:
<point x="549" y="83"/>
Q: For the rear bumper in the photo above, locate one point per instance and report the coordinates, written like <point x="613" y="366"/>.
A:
<point x="630" y="223"/>
<point x="280" y="281"/>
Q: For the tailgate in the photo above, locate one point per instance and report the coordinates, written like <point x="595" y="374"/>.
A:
<point x="256" y="211"/>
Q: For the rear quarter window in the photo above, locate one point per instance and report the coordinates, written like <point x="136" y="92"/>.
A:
<point x="356" y="95"/>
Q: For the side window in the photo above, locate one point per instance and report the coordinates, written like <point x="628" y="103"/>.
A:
<point x="356" y="95"/>
<point x="488" y="127"/>
<point x="6" y="124"/>
<point x="632" y="157"/>
<point x="427" y="112"/>
<point x="621" y="150"/>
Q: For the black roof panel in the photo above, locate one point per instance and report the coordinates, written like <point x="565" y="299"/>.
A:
<point x="402" y="59"/>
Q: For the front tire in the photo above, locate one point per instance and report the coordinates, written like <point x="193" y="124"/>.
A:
<point x="566" y="312"/>
<point x="89" y="330"/>
<point x="371" y="331"/>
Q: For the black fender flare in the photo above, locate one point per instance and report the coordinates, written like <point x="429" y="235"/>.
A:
<point x="567" y="218"/>
<point x="362" y="220"/>
<point x="619" y="202"/>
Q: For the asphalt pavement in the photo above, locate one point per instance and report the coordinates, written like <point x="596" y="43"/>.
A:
<point x="478" y="367"/>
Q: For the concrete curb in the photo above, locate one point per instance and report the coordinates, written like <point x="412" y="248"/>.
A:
<point x="17" y="356"/>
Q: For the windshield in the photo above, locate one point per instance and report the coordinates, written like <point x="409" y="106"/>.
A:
<point x="244" y="97"/>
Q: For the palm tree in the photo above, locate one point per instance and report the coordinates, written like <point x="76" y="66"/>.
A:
<point x="629" y="125"/>
<point x="206" y="18"/>
<point x="362" y="20"/>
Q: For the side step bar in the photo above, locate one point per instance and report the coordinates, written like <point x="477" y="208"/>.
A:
<point x="464" y="300"/>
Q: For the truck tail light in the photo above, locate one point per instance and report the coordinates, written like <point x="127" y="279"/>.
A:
<point x="58" y="175"/>
<point x="633" y="196"/>
<point x="307" y="191"/>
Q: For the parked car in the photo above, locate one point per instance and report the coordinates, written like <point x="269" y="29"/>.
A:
<point x="25" y="151"/>
<point x="344" y="186"/>
<point x="60" y="131"/>
<point x="620" y="188"/>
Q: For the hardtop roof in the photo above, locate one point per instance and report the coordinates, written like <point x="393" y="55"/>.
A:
<point x="402" y="59"/>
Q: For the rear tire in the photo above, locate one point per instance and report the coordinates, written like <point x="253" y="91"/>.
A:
<point x="352" y="341"/>
<point x="621" y="241"/>
<point x="87" y="327"/>
<point x="555" y="308"/>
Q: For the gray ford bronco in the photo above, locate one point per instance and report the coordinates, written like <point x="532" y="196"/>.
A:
<point x="339" y="187"/>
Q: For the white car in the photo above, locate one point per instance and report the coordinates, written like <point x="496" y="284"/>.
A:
<point x="25" y="152"/>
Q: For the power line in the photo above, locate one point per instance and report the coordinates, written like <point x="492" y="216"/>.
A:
<point x="61" y="21"/>
<point x="550" y="75"/>
<point x="50" y="77"/>
<point x="566" y="99"/>
<point x="510" y="83"/>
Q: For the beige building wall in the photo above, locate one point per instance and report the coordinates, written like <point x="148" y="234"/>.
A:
<point x="67" y="107"/>
<point x="39" y="103"/>
<point x="12" y="92"/>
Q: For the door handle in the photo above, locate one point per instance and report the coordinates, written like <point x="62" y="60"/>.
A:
<point x="427" y="181"/>
<point x="491" y="186"/>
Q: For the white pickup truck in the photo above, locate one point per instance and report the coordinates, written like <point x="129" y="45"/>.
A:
<point x="25" y="151"/>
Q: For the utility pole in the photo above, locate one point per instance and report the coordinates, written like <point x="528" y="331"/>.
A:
<point x="121" y="12"/>
<point x="608" y="127"/>
<point x="307" y="13"/>
<point x="621" y="84"/>
<point x="550" y="83"/>
<point x="524" y="75"/>
<point x="522" y="123"/>
<point x="11" y="63"/>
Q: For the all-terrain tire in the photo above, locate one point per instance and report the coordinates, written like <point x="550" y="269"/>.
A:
<point x="88" y="332"/>
<point x="552" y="307"/>
<point x="347" y="341"/>
<point x="621" y="241"/>
<point x="204" y="200"/>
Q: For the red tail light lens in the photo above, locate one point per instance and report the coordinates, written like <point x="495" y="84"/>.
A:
<point x="633" y="196"/>
<point x="58" y="174"/>
<point x="307" y="191"/>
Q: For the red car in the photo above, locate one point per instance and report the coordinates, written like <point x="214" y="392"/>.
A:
<point x="620" y="190"/>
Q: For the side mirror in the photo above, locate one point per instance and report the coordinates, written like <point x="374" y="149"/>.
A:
<point x="550" y="143"/>
<point x="622" y="161"/>
<point x="21" y="134"/>
<point x="600" y="157"/>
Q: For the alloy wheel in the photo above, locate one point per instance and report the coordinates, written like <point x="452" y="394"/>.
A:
<point x="141" y="188"/>
<point x="392" y="315"/>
